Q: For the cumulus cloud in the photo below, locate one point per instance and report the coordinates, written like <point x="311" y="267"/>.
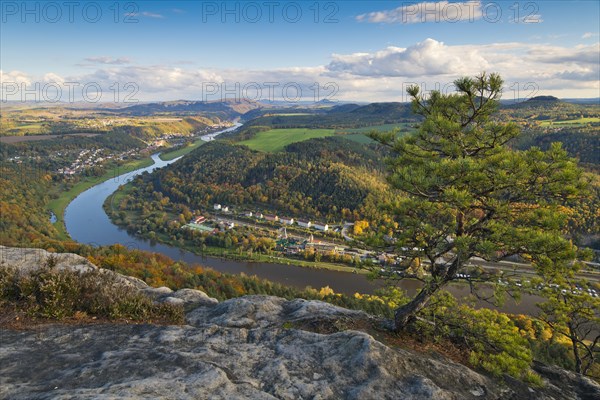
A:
<point x="440" y="11"/>
<point x="51" y="77"/>
<point x="368" y="76"/>
<point x="429" y="57"/>
<point x="15" y="76"/>
<point x="581" y="54"/>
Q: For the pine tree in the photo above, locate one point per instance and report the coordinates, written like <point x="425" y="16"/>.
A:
<point x="468" y="195"/>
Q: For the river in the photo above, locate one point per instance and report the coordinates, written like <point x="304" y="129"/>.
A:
<point x="87" y="223"/>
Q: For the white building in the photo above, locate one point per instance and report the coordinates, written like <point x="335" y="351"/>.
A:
<point x="286" y="221"/>
<point x="217" y="206"/>
<point x="321" y="227"/>
<point x="304" y="223"/>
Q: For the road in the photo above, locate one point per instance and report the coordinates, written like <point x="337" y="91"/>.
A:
<point x="506" y="266"/>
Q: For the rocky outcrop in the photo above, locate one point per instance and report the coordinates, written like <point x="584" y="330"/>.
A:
<point x="252" y="347"/>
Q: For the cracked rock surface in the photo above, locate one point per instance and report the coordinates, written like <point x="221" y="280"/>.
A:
<point x="245" y="348"/>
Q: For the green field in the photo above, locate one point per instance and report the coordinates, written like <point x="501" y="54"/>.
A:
<point x="578" y="121"/>
<point x="276" y="139"/>
<point x="404" y="127"/>
<point x="182" y="151"/>
<point x="58" y="205"/>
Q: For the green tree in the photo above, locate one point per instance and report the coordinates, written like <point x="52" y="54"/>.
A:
<point x="574" y="314"/>
<point x="466" y="194"/>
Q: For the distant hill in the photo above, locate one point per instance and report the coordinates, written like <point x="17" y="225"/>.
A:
<point x="228" y="108"/>
<point x="341" y="116"/>
<point x="343" y="108"/>
<point x="543" y="98"/>
<point x="391" y="110"/>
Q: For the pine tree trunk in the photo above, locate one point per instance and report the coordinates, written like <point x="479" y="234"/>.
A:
<point x="575" y="349"/>
<point x="405" y="314"/>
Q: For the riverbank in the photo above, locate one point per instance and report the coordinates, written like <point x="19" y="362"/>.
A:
<point x="219" y="252"/>
<point x="171" y="155"/>
<point x="57" y="206"/>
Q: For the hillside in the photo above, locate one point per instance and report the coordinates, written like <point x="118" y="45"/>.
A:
<point x="318" y="177"/>
<point x="227" y="108"/>
<point x="253" y="347"/>
<point x="343" y="116"/>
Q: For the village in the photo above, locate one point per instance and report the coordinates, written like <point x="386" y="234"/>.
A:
<point x="94" y="157"/>
<point x="292" y="244"/>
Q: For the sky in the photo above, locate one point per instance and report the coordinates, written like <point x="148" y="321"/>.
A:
<point x="128" y="51"/>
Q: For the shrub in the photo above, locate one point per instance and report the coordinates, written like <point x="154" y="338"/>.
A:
<point x="58" y="294"/>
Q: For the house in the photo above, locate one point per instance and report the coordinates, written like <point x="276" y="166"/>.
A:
<point x="384" y="258"/>
<point x="321" y="227"/>
<point x="292" y="249"/>
<point x="323" y="247"/>
<point x="217" y="206"/>
<point x="199" y="219"/>
<point x="225" y="209"/>
<point x="303" y="223"/>
<point x="224" y="225"/>
<point x="286" y="221"/>
<point x="248" y="214"/>
<point x="271" y="217"/>
<point x="259" y="215"/>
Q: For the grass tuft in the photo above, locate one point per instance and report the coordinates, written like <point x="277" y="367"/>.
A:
<point x="59" y="294"/>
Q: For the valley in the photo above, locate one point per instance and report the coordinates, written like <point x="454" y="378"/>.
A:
<point x="273" y="186"/>
<point x="300" y="200"/>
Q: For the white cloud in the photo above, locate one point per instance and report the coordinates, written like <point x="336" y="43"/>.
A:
<point x="441" y="11"/>
<point x="10" y="77"/>
<point x="147" y="14"/>
<point x="368" y="76"/>
<point x="108" y="60"/>
<point x="429" y="57"/>
<point x="51" y="77"/>
<point x="527" y="19"/>
<point x="589" y="35"/>
<point x="151" y="15"/>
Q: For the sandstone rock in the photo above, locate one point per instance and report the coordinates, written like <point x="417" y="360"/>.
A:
<point x="173" y="300"/>
<point x="27" y="260"/>
<point x="194" y="297"/>
<point x="251" y="347"/>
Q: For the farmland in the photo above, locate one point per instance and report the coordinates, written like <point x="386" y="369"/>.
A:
<point x="572" y="122"/>
<point x="275" y="140"/>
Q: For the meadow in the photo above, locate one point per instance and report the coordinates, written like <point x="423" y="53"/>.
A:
<point x="275" y="140"/>
<point x="575" y="122"/>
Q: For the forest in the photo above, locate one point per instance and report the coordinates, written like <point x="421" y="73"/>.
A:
<point x="329" y="178"/>
<point x="332" y="179"/>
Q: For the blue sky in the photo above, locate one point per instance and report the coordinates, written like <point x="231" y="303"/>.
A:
<point x="369" y="50"/>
